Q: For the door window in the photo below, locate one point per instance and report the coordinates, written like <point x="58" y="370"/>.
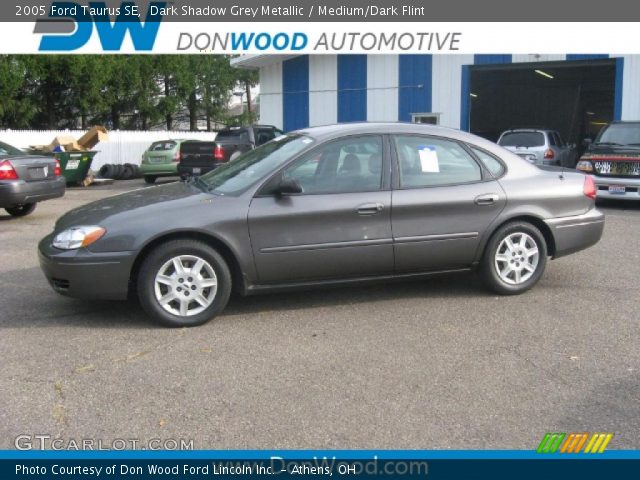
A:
<point x="344" y="166"/>
<point x="427" y="162"/>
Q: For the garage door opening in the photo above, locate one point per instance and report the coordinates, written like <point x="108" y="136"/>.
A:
<point x="575" y="98"/>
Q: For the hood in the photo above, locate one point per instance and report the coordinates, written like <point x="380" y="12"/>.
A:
<point x="150" y="201"/>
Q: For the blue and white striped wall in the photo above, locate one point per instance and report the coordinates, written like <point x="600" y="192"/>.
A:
<point x="310" y="90"/>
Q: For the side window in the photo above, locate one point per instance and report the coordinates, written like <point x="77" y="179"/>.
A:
<point x="264" y="135"/>
<point x="427" y="162"/>
<point x="490" y="162"/>
<point x="552" y="139"/>
<point x="559" y="140"/>
<point x="343" y="166"/>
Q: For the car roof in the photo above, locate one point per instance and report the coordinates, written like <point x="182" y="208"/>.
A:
<point x="356" y="128"/>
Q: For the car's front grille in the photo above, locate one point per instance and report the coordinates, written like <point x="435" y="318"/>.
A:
<point x="617" y="168"/>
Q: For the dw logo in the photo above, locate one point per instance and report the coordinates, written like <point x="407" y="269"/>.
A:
<point x="111" y="34"/>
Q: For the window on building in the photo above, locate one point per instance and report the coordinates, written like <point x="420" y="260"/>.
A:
<point x="426" y="118"/>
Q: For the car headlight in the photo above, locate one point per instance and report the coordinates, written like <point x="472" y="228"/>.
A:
<point x="585" y="166"/>
<point x="78" y="237"/>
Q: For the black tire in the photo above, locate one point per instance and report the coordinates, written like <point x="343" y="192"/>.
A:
<point x="107" y="171"/>
<point x="21" y="210"/>
<point x="118" y="170"/>
<point x="489" y="269"/>
<point x="127" y="171"/>
<point x="160" y="260"/>
<point x="150" y="179"/>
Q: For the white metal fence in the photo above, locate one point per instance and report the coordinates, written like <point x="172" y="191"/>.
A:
<point x="122" y="146"/>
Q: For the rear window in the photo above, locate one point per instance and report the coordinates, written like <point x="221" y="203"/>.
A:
<point x="239" y="135"/>
<point x="7" y="150"/>
<point x="621" y="133"/>
<point x="522" y="139"/>
<point x="162" y="146"/>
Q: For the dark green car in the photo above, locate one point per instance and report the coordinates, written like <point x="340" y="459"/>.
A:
<point x="161" y="159"/>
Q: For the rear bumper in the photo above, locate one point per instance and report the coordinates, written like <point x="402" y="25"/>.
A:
<point x="83" y="274"/>
<point x="572" y="234"/>
<point x="159" y="169"/>
<point x="18" y="192"/>
<point x="632" y="187"/>
<point x="188" y="170"/>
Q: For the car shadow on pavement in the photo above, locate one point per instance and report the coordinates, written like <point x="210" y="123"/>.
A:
<point x="442" y="286"/>
<point x="29" y="301"/>
<point x="611" y="408"/>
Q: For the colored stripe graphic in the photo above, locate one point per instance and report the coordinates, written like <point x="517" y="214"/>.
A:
<point x="598" y="442"/>
<point x="550" y="442"/>
<point x="573" y="442"/>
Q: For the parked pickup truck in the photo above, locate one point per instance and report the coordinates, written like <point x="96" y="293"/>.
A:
<point x="198" y="157"/>
<point x="613" y="161"/>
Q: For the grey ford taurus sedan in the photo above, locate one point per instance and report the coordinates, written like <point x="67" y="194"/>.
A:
<point x="326" y="205"/>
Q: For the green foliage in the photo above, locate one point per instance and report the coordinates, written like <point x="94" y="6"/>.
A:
<point x="119" y="91"/>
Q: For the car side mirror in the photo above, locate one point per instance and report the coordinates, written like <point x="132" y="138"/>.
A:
<point x="288" y="186"/>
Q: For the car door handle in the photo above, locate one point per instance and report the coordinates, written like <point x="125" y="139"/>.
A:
<point x="489" y="199"/>
<point x="370" y="208"/>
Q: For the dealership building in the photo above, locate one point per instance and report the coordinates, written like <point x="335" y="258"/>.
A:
<point x="484" y="94"/>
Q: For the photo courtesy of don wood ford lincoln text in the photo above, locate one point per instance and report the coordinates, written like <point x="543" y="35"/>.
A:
<point x="248" y="239"/>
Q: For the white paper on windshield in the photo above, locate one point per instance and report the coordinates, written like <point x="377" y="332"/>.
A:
<point x="428" y="159"/>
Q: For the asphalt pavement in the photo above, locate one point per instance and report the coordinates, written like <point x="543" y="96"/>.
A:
<point x="438" y="364"/>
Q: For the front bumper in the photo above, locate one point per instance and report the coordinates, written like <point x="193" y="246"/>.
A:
<point x="631" y="187"/>
<point x="84" y="274"/>
<point x="575" y="233"/>
<point x="19" y="192"/>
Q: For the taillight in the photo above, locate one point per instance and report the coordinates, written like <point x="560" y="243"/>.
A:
<point x="176" y="157"/>
<point x="589" y="188"/>
<point x="218" y="153"/>
<point x="7" y="172"/>
<point x="548" y="155"/>
<point x="58" y="170"/>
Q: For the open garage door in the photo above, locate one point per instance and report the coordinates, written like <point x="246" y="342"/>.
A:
<point x="576" y="98"/>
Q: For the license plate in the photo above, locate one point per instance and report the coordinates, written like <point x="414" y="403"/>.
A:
<point x="72" y="164"/>
<point x="196" y="170"/>
<point x="37" y="173"/>
<point x="157" y="159"/>
<point x="617" y="189"/>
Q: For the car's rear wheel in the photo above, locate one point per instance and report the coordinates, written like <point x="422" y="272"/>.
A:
<point x="21" y="210"/>
<point x="150" y="179"/>
<point x="184" y="283"/>
<point x="515" y="258"/>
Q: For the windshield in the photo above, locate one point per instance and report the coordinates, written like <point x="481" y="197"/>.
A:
<point x="620" y="134"/>
<point x="522" y="139"/>
<point x="238" y="175"/>
<point x="241" y="136"/>
<point x="162" y="146"/>
<point x="7" y="150"/>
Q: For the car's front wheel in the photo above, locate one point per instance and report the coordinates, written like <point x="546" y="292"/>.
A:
<point x="150" y="179"/>
<point x="21" y="210"/>
<point x="184" y="283"/>
<point x="515" y="258"/>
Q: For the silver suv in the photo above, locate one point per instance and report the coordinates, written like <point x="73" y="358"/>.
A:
<point x="540" y="147"/>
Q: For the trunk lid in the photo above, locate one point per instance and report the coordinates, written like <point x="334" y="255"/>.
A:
<point x="33" y="168"/>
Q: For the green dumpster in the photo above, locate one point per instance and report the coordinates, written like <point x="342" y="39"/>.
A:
<point x="75" y="165"/>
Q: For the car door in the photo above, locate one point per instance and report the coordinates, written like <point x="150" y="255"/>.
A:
<point x="443" y="201"/>
<point x="338" y="227"/>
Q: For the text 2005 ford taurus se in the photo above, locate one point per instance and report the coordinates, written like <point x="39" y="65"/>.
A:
<point x="325" y="205"/>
